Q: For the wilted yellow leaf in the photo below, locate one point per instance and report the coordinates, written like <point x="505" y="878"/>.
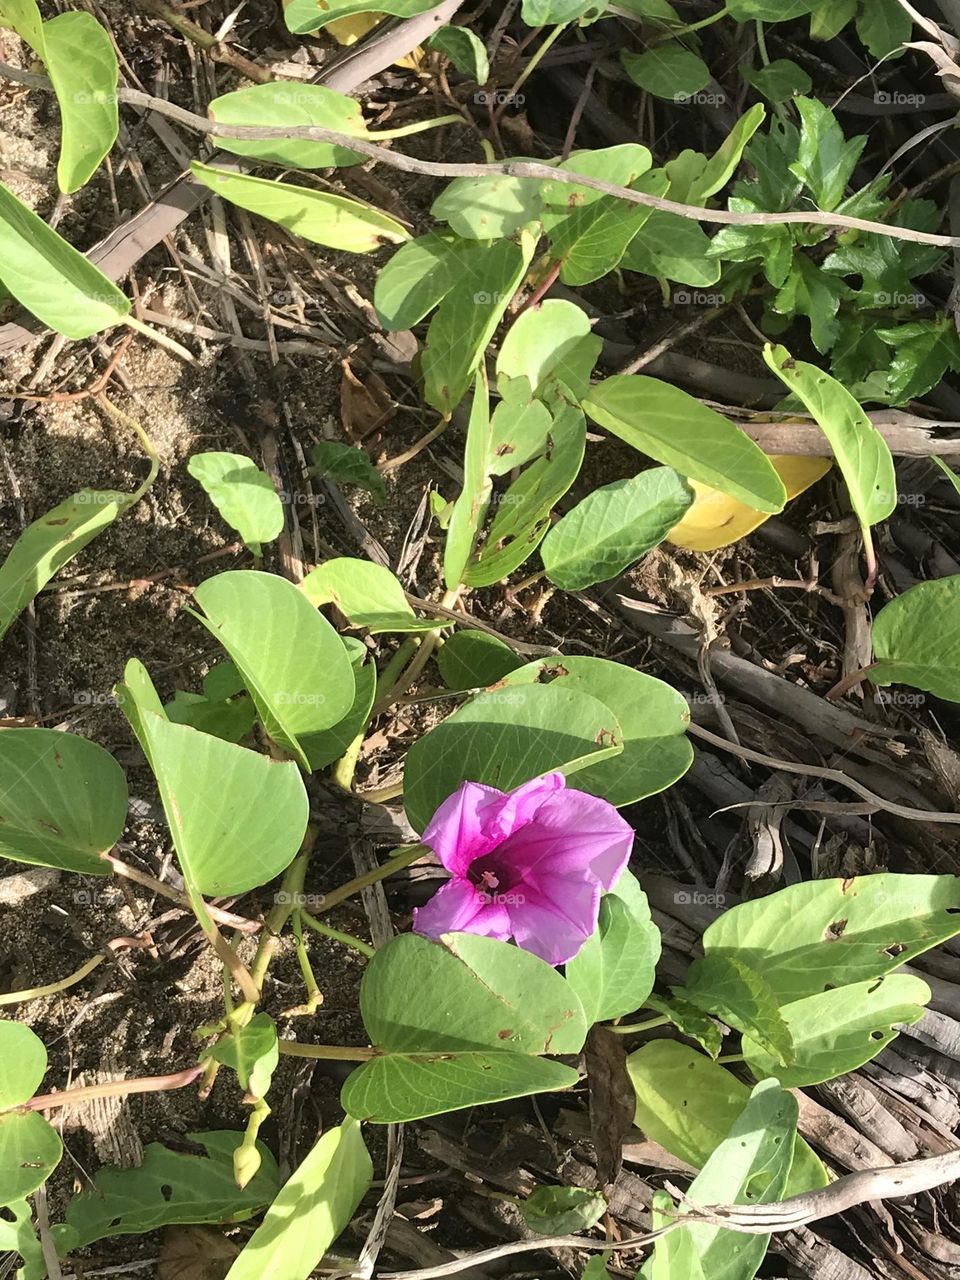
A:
<point x="348" y="31"/>
<point x="716" y="520"/>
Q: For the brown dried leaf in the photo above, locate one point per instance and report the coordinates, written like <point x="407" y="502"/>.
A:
<point x="195" y="1253"/>
<point x="611" y="1101"/>
<point x="365" y="406"/>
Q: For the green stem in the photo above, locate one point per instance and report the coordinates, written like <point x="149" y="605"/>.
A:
<point x="762" y="44"/>
<point x="639" y="1026"/>
<point x="420" y="659"/>
<point x="34" y="993"/>
<point x="238" y="970"/>
<point x="291" y="889"/>
<point x="677" y="32"/>
<point x="340" y="1053"/>
<point x="148" y="446"/>
<point x="401" y="859"/>
<point x="419" y="126"/>
<point x="338" y="935"/>
<point x="731" y="1057"/>
<point x="531" y="66"/>
<point x="314" y="994"/>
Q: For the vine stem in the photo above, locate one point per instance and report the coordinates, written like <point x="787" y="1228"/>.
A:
<point x="639" y="1026"/>
<point x="849" y="681"/>
<point x="177" y="895"/>
<point x="417" y="663"/>
<point x="285" y="903"/>
<point x="34" y="993"/>
<point x="531" y="66"/>
<point x="402" y="859"/>
<point x="149" y="449"/>
<point x="338" y="935"/>
<point x="111" y="1089"/>
<point x="340" y="1053"/>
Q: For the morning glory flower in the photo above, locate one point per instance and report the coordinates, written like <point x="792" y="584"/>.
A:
<point x="529" y="864"/>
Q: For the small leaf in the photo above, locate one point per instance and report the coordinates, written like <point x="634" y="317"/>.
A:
<point x="667" y="71"/>
<point x="835" y="1032"/>
<point x="23" y="1063"/>
<point x="728" y="989"/>
<point x="474" y="660"/>
<point x="613" y="527"/>
<point x="861" y="452"/>
<point x="555" y="340"/>
<point x="916" y="640"/>
<point x="488" y="208"/>
<point x="673" y="248"/>
<point x="676" y="429"/>
<point x="168" y="1187"/>
<point x="311" y="1209"/>
<point x="49" y="543"/>
<point x="689" y="1021"/>
<point x="465" y="50"/>
<point x="470" y="507"/>
<point x="252" y="1052"/>
<point x="780" y="80"/>
<point x="769" y="10"/>
<point x="347" y="465"/>
<point x="318" y="216"/>
<point x="292" y="660"/>
<point x="242" y="493"/>
<point x="592" y="240"/>
<point x="83" y="67"/>
<point x="61" y="287"/>
<point x="826" y="160"/>
<point x="503" y="738"/>
<point x="30" y="1148"/>
<point x="884" y="26"/>
<point x="417" y="278"/>
<point x="614" y="970"/>
<point x="237" y="818"/>
<point x="17" y="1233"/>
<point x="304" y="16"/>
<point x="294" y="104"/>
<point x="813" y="293"/>
<point x="63" y="800"/>
<point x="369" y="595"/>
<point x="552" y="1211"/>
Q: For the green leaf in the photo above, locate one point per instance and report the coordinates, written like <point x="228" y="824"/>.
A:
<point x="228" y="718"/>
<point x="30" y="1148"/>
<point x="18" y="1236"/>
<point x="470" y="507"/>
<point x="347" y="465"/>
<point x="237" y="818"/>
<point x="837" y="1031"/>
<point x="474" y="660"/>
<point x="63" y="800"/>
<point x="83" y="67"/>
<point x="552" y="1211"/>
<point x="613" y="527"/>
<point x="304" y="16"/>
<point x="862" y="454"/>
<point x="544" y="13"/>
<point x="826" y="160"/>
<point x="368" y="594"/>
<point x="722" y="165"/>
<point x="769" y="10"/>
<point x="883" y="26"/>
<point x="24" y="17"/>
<point x="592" y="240"/>
<point x="50" y="278"/>
<point x="812" y="292"/>
<point x="467" y="319"/>
<point x="689" y="1021"/>
<point x="555" y="340"/>
<point x="311" y="1210"/>
<point x="780" y="80"/>
<point x="731" y="990"/>
<point x="921" y="353"/>
<point x="49" y="543"/>
<point x="614" y="970"/>
<point x="830" y="17"/>
<point x="418" y="277"/>
<point x="465" y="50"/>
<point x="620" y="165"/>
<point x="676" y="429"/>
<point x="169" y="1187"/>
<point x="477" y="1040"/>
<point x="673" y="248"/>
<point x="252" y="1052"/>
<point x="826" y="933"/>
<point x="675" y="1255"/>
<point x="326" y="747"/>
<point x="772" y="245"/>
<point x="751" y="1166"/>
<point x="652" y="717"/>
<point x="318" y="216"/>
<point x="285" y="104"/>
<point x="488" y="208"/>
<point x="242" y="493"/>
<point x="503" y="738"/>
<point x="292" y="661"/>
<point x="688" y="1104"/>
<point x="916" y="640"/>
<point x="667" y="71"/>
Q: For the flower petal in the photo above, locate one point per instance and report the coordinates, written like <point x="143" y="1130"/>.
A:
<point x="457" y="832"/>
<point x="459" y="907"/>
<point x="573" y="834"/>
<point x="555" y="926"/>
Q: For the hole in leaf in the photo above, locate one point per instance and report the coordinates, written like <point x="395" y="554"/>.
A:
<point x="7" y="1215"/>
<point x="166" y="1191"/>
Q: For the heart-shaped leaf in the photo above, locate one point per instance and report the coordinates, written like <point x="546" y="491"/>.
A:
<point x="916" y="640"/>
<point x="474" y="660"/>
<point x="63" y="800"/>
<point x="237" y="818"/>
<point x="505" y="737"/>
<point x="676" y="429"/>
<point x="242" y="493"/>
<point x="828" y="933"/>
<point x="496" y="1008"/>
<point x="292" y="661"/>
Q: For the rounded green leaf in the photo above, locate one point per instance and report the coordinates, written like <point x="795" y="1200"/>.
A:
<point x="554" y="1211"/>
<point x="304" y="16"/>
<point x="555" y="340"/>
<point x="252" y="1052"/>
<point x="63" y="800"/>
<point x="667" y="71"/>
<point x="614" y="970"/>
<point x="23" y="1062"/>
<point x="827" y="933"/>
<point x="916" y="639"/>
<point x="237" y="818"/>
<point x="242" y="493"/>
<point x="30" y="1150"/>
<point x="652" y="716"/>
<point x="676" y="429"/>
<point x="688" y="1104"/>
<point x="503" y="738"/>
<point x="368" y="594"/>
<point x="837" y="1031"/>
<point x="416" y="279"/>
<point x="780" y="80"/>
<point x="488" y="208"/>
<point x="474" y="660"/>
<point x="862" y="454"/>
<point x="335" y="221"/>
<point x="284" y="104"/>
<point x="292" y="661"/>
<point x="613" y="527"/>
<point x="83" y="66"/>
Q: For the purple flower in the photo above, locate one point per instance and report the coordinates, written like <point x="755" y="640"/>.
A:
<point x="529" y="864"/>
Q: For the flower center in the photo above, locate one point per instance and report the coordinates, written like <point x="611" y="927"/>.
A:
<point x="491" y="876"/>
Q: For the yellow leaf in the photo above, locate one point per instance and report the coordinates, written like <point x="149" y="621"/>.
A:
<point x="716" y="520"/>
<point x="348" y="31"/>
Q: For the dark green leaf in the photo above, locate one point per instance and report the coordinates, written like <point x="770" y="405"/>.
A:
<point x="474" y="660"/>
<point x="916" y="640"/>
<point x="554" y="1211"/>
